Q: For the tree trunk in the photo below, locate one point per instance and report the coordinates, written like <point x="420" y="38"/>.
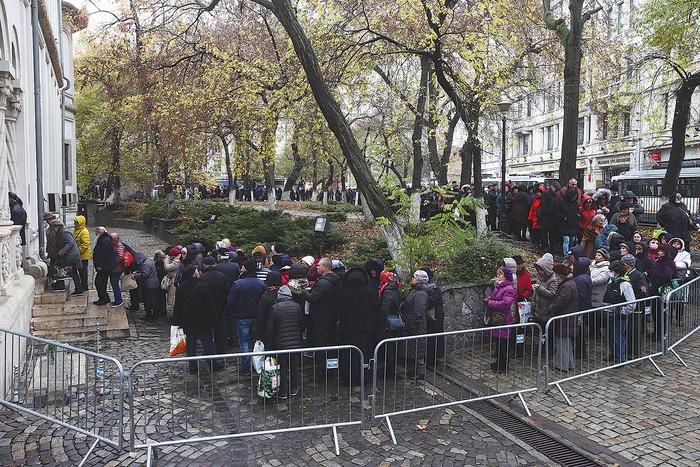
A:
<point x="295" y="173"/>
<point x="229" y="172"/>
<point x="114" y="176"/>
<point x="447" y="151"/>
<point x="681" y="115"/>
<point x="417" y="141"/>
<point x="465" y="155"/>
<point x="572" y="94"/>
<point x="333" y="114"/>
<point x="269" y="153"/>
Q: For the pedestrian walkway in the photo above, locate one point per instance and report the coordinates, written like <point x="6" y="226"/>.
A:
<point x="628" y="416"/>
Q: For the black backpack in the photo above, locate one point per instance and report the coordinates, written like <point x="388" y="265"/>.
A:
<point x="614" y="293"/>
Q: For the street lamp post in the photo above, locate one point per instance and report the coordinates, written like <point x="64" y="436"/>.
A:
<point x="503" y="107"/>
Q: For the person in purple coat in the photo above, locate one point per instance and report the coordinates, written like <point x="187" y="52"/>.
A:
<point x="661" y="274"/>
<point x="501" y="299"/>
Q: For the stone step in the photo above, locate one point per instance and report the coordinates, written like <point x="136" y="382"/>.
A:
<point x="93" y="316"/>
<point x="72" y="306"/>
<point x="52" y="298"/>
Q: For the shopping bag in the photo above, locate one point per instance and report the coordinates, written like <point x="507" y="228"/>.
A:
<point x="525" y="311"/>
<point x="258" y="360"/>
<point x="178" y="344"/>
<point x="394" y="322"/>
<point x="165" y="283"/>
<point x="127" y="282"/>
<point x="60" y="273"/>
<point x="269" y="381"/>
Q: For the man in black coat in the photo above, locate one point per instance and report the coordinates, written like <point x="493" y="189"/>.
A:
<point x="549" y="204"/>
<point x="490" y="200"/>
<point x="220" y="286"/>
<point x="104" y="260"/>
<point x="323" y="297"/>
<point x="284" y="331"/>
<point x="226" y="263"/>
<point x="195" y="313"/>
<point x="269" y="298"/>
<point x="637" y="324"/>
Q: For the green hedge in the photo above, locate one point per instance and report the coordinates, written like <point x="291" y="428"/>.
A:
<point x="247" y="228"/>
<point x="478" y="261"/>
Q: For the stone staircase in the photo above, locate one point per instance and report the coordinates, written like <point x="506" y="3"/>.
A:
<point x="58" y="316"/>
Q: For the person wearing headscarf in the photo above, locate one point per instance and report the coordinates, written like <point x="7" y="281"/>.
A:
<point x="533" y="217"/>
<point x="674" y="217"/>
<point x="501" y="299"/>
<point x="619" y="291"/>
<point x="590" y="234"/>
<point x="565" y="302"/>
<point x="683" y="259"/>
<point x="116" y="273"/>
<point x="414" y="311"/>
<point x="644" y="262"/>
<point x="661" y="275"/>
<point x="653" y="244"/>
<point x="374" y="268"/>
<point x="172" y="265"/>
<point x="389" y="304"/>
<point x="357" y="309"/>
<point x="599" y="271"/>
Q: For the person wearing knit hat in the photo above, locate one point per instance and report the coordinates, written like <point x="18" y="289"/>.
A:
<point x="250" y="266"/>
<point x="174" y="251"/>
<point x="421" y="277"/>
<point x="628" y="259"/>
<point x="499" y="304"/>
<point x="308" y="261"/>
<point x="284" y="330"/>
<point x="562" y="270"/>
<point x="509" y="263"/>
<point x="565" y="302"/>
<point x="599" y="270"/>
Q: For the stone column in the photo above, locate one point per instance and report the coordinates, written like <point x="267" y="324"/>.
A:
<point x="13" y="110"/>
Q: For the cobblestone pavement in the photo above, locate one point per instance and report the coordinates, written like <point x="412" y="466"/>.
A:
<point x="628" y="416"/>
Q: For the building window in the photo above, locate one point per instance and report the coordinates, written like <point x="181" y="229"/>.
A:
<point x="626" y="124"/>
<point x="67" y="166"/>
<point x="552" y="142"/>
<point x="524" y="143"/>
<point x="603" y="126"/>
<point x="520" y="109"/>
<point x="529" y="107"/>
<point x="633" y="12"/>
<point x="609" y="18"/>
<point x="620" y="9"/>
<point x="581" y="131"/>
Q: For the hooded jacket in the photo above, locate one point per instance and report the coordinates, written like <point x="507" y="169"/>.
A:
<point x="118" y="253"/>
<point x="194" y="307"/>
<point x="103" y="255"/>
<point x="147" y="274"/>
<point x="586" y="213"/>
<point x="600" y="276"/>
<point x="82" y="238"/>
<point x="584" y="283"/>
<point x="534" y="207"/>
<point x="550" y="207"/>
<point x="664" y="268"/>
<point x="683" y="260"/>
<point x="635" y="206"/>
<point x="564" y="303"/>
<point x="568" y="213"/>
<point x="644" y="262"/>
<point x="545" y="293"/>
<point x="601" y="240"/>
<point x="357" y="307"/>
<point x="66" y="249"/>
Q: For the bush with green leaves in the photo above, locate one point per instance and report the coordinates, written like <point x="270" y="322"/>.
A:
<point x="247" y="228"/>
<point x="477" y="260"/>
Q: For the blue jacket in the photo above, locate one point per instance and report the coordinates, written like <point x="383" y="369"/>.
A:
<point x="103" y="255"/>
<point x="245" y="294"/>
<point x="148" y="275"/>
<point x="601" y="240"/>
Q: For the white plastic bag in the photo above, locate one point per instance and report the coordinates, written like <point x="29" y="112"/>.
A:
<point x="258" y="360"/>
<point x="525" y="311"/>
<point x="269" y="381"/>
<point x="178" y="344"/>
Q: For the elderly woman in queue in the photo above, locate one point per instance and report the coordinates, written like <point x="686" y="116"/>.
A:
<point x="389" y="304"/>
<point x="564" y="303"/>
<point x="414" y="315"/>
<point x="501" y="301"/>
<point x="663" y="272"/>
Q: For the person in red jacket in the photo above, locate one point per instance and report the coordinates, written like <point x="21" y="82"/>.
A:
<point x="536" y="228"/>
<point x="586" y="212"/>
<point x="524" y="288"/>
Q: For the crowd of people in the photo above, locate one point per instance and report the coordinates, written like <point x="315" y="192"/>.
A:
<point x="220" y="295"/>
<point x="556" y="218"/>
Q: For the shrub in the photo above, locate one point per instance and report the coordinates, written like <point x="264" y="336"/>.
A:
<point x="366" y="250"/>
<point x="477" y="260"/>
<point x="155" y="209"/>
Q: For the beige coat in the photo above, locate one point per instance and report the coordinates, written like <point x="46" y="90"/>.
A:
<point x="171" y="264"/>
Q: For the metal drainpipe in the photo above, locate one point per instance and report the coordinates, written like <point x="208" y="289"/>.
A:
<point x="38" y="137"/>
<point x="66" y="85"/>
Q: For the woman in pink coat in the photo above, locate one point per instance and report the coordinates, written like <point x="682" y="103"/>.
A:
<point x="501" y="299"/>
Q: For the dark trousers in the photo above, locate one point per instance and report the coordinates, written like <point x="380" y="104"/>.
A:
<point x="83" y="272"/>
<point x="492" y="219"/>
<point x="207" y="345"/>
<point x="309" y="324"/>
<point x="521" y="231"/>
<point x="289" y="372"/>
<point x="162" y="304"/>
<point x="150" y="301"/>
<point x="101" y="279"/>
<point x="77" y="282"/>
<point x="324" y="336"/>
<point x="221" y="333"/>
<point x="535" y="235"/>
<point x="636" y="324"/>
<point x="501" y="353"/>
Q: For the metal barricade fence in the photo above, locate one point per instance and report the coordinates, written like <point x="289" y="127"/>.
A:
<point x="682" y="307"/>
<point x="194" y="399"/>
<point x="429" y="371"/>
<point x="72" y="387"/>
<point x="587" y="342"/>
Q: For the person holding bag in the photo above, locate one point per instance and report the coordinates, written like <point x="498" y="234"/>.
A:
<point x="389" y="305"/>
<point x="499" y="305"/>
<point x="414" y="315"/>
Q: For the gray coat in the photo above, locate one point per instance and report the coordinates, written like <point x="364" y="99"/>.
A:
<point x="147" y="275"/>
<point x="67" y="253"/>
<point x="547" y="290"/>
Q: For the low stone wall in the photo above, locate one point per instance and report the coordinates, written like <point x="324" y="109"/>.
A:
<point x="161" y="228"/>
<point x="464" y="305"/>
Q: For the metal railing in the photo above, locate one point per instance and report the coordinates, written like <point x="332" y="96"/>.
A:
<point x="75" y="388"/>
<point x="195" y="399"/>
<point x="682" y="307"/>
<point x="429" y="371"/>
<point x="587" y="342"/>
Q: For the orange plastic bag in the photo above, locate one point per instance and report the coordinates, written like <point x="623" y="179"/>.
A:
<point x="178" y="344"/>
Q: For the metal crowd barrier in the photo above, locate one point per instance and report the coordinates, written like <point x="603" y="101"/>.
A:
<point x="205" y="398"/>
<point x="587" y="342"/>
<point x="682" y="307"/>
<point x="72" y="387"/>
<point x="429" y="371"/>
